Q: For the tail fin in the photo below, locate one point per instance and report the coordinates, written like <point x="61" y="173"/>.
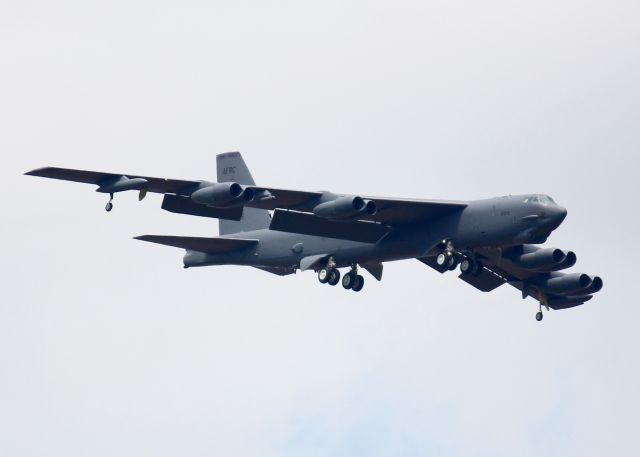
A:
<point x="231" y="168"/>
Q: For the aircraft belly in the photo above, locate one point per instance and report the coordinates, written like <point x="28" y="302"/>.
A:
<point x="282" y="251"/>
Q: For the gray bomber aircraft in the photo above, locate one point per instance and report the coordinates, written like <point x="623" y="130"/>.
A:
<point x="492" y="241"/>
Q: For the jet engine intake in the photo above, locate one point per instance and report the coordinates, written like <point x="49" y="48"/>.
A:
<point x="346" y="207"/>
<point x="223" y="194"/>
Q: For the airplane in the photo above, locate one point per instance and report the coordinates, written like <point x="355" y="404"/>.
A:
<point x="492" y="241"/>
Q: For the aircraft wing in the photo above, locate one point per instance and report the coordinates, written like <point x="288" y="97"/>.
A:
<point x="158" y="185"/>
<point x="392" y="211"/>
<point x="499" y="270"/>
<point x="518" y="278"/>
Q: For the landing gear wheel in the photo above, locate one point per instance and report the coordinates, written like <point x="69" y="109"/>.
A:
<point x="358" y="284"/>
<point x="323" y="275"/>
<point x="452" y="264"/>
<point x="108" y="207"/>
<point x="478" y="268"/>
<point x="466" y="266"/>
<point x="443" y="259"/>
<point x="539" y="316"/>
<point x="334" y="277"/>
<point x="348" y="280"/>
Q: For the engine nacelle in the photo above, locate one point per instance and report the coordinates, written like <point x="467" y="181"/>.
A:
<point x="541" y="259"/>
<point x="346" y="207"/>
<point x="222" y="194"/>
<point x="571" y="284"/>
<point x="549" y="259"/>
<point x="596" y="286"/>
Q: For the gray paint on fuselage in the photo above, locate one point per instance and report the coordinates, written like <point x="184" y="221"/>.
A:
<point x="495" y="222"/>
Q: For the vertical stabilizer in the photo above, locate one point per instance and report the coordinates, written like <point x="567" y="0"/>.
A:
<point x="231" y="168"/>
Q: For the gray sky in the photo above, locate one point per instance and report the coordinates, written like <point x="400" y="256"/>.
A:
<point x="108" y="347"/>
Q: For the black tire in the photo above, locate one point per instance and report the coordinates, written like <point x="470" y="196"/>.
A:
<point x="452" y="264"/>
<point x="539" y="316"/>
<point x="108" y="207"/>
<point x="323" y="275"/>
<point x="478" y="268"/>
<point x="358" y="284"/>
<point x="442" y="259"/>
<point x="334" y="277"/>
<point x="466" y="266"/>
<point x="348" y="280"/>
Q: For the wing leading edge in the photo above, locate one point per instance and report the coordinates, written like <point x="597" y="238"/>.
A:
<point x="102" y="180"/>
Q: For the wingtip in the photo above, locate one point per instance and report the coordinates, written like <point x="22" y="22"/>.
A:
<point x="35" y="171"/>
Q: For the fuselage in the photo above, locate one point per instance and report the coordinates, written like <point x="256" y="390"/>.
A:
<point x="489" y="223"/>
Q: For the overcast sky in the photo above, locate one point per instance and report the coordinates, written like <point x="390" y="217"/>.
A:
<point x="108" y="347"/>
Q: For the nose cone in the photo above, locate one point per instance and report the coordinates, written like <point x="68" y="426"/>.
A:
<point x="556" y="215"/>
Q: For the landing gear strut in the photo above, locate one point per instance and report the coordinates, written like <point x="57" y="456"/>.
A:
<point x="109" y="206"/>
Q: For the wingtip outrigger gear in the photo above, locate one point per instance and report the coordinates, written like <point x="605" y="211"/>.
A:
<point x="109" y="206"/>
<point x="543" y="302"/>
<point x="121" y="184"/>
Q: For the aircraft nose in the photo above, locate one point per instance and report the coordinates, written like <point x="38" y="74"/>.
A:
<point x="557" y="215"/>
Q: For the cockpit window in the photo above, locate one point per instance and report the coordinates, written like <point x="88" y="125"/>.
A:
<point x="542" y="199"/>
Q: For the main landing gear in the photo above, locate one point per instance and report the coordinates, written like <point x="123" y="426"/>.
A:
<point x="329" y="274"/>
<point x="353" y="280"/>
<point x="449" y="259"/>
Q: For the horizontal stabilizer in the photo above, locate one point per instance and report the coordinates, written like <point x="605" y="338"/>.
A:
<point x="184" y="205"/>
<point x="308" y="224"/>
<point x="207" y="245"/>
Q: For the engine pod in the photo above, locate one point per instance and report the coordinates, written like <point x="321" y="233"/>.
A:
<point x="345" y="207"/>
<point x="222" y="194"/>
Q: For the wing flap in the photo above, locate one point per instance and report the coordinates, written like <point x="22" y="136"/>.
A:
<point x="206" y="245"/>
<point x="184" y="205"/>
<point x="486" y="281"/>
